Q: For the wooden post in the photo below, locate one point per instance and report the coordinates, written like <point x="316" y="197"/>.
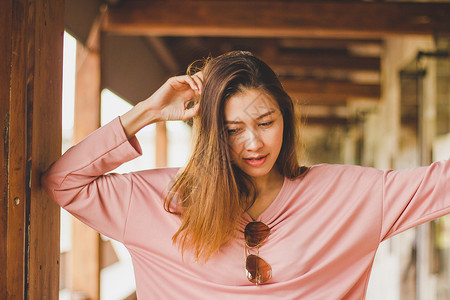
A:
<point x="30" y="114"/>
<point x="6" y="24"/>
<point x="161" y="145"/>
<point x="85" y="252"/>
<point x="17" y="200"/>
<point x="87" y="92"/>
<point x="169" y="61"/>
<point x="44" y="96"/>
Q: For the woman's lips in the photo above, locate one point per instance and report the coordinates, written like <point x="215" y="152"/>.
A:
<point x="256" y="161"/>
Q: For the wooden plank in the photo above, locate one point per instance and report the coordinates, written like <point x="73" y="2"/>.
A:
<point x="132" y="296"/>
<point x="164" y="54"/>
<point x="318" y="99"/>
<point x="296" y="62"/>
<point x="18" y="142"/>
<point x="85" y="261"/>
<point x="338" y="90"/>
<point x="327" y="43"/>
<point x="64" y="272"/>
<point x="87" y="93"/>
<point x="108" y="255"/>
<point x="85" y="252"/>
<point x="277" y="18"/>
<point x="79" y="15"/>
<point x="290" y="55"/>
<point x="44" y="93"/>
<point x="325" y="115"/>
<point x="330" y="121"/>
<point x="161" y="145"/>
<point x="6" y="21"/>
<point x="130" y="67"/>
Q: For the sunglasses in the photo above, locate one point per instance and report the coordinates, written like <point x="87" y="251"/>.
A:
<point x="257" y="269"/>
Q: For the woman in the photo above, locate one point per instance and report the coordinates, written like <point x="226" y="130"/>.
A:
<point x="242" y="219"/>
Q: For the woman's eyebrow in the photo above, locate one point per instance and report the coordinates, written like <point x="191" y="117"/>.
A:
<point x="257" y="118"/>
<point x="265" y="114"/>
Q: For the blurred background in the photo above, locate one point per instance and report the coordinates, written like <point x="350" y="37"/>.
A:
<point x="370" y="81"/>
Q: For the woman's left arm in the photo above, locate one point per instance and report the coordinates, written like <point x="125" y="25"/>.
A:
<point x="415" y="196"/>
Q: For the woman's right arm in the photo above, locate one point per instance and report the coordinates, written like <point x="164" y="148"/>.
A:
<point x="77" y="180"/>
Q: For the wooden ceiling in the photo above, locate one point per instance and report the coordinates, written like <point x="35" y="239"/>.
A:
<point x="327" y="53"/>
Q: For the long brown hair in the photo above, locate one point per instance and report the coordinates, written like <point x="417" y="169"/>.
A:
<point x="211" y="193"/>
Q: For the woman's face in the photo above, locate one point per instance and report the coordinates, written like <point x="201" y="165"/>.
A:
<point x="255" y="129"/>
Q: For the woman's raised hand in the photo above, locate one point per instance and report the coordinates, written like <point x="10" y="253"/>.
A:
<point x="172" y="98"/>
<point x="169" y="102"/>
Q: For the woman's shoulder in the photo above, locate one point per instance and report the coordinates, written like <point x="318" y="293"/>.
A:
<point x="327" y="171"/>
<point x="342" y="168"/>
<point x="166" y="173"/>
<point x="157" y="179"/>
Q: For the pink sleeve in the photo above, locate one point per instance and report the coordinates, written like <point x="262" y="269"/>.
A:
<point x="76" y="181"/>
<point x="415" y="196"/>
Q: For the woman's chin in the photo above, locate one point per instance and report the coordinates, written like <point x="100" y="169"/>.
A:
<point x="258" y="173"/>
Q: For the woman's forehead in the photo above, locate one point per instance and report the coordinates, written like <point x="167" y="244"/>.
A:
<point x="251" y="102"/>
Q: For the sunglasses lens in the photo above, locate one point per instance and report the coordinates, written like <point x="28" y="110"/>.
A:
<point x="257" y="269"/>
<point x="255" y="233"/>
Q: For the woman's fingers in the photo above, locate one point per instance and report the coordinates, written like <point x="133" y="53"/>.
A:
<point x="198" y="78"/>
<point x="199" y="74"/>
<point x="176" y="100"/>
<point x="192" y="83"/>
<point x="195" y="81"/>
<point x="178" y="83"/>
<point x="191" y="112"/>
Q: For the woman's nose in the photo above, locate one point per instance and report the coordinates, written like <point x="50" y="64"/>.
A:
<point x="253" y="140"/>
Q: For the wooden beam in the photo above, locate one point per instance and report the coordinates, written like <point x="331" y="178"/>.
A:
<point x="277" y="18"/>
<point x="326" y="121"/>
<point x="164" y="54"/>
<point x="302" y="54"/>
<point x="326" y="115"/>
<point x="85" y="252"/>
<point x="79" y="16"/>
<point x="30" y="102"/>
<point x="44" y="95"/>
<point x="85" y="261"/>
<point x="6" y="35"/>
<point x="330" y="91"/>
<point x="108" y="255"/>
<point x="18" y="192"/>
<point x="130" y="68"/>
<point x="323" y="61"/>
<point x="15" y="143"/>
<point x="132" y="296"/>
<point x="327" y="43"/>
<point x="161" y="145"/>
<point x="318" y="99"/>
<point x="87" y="93"/>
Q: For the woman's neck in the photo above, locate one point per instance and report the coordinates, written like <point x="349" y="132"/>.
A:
<point x="268" y="188"/>
<point x="270" y="181"/>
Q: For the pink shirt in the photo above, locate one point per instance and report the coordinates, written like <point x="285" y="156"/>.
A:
<point x="325" y="228"/>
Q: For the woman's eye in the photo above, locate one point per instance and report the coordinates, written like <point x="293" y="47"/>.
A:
<point x="232" y="131"/>
<point x="265" y="124"/>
